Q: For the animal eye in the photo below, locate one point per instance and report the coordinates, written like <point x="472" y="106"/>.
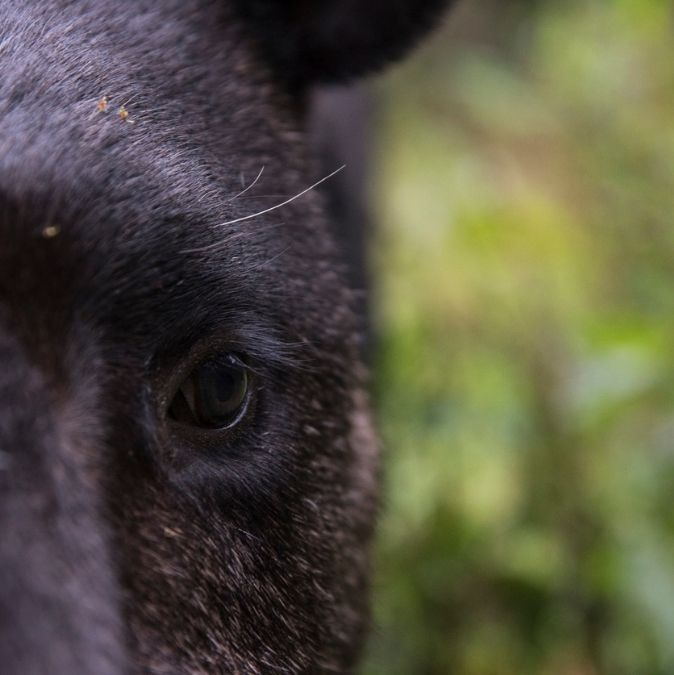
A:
<point x="215" y="395"/>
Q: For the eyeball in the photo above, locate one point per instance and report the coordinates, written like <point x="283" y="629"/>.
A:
<point x="215" y="395"/>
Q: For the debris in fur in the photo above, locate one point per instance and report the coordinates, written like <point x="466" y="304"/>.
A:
<point x="124" y="114"/>
<point x="50" y="231"/>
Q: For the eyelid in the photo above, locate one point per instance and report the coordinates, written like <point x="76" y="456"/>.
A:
<point x="264" y="349"/>
<point x="172" y="372"/>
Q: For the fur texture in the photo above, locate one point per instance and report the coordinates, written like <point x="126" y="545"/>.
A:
<point x="335" y="40"/>
<point x="128" y="134"/>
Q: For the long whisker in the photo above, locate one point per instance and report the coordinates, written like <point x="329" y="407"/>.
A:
<point x="235" y="236"/>
<point x="284" y="203"/>
<point x="243" y="192"/>
<point x="250" y="216"/>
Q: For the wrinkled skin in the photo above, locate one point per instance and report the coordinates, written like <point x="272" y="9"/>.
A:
<point x="132" y="543"/>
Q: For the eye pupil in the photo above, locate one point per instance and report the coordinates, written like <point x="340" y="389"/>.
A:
<point x="214" y="395"/>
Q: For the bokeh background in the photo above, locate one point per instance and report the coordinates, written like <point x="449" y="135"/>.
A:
<point x="525" y="378"/>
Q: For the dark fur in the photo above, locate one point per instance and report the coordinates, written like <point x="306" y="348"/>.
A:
<point x="335" y="40"/>
<point x="128" y="546"/>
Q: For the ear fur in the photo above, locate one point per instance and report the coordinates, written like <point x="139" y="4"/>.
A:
<point x="330" y="41"/>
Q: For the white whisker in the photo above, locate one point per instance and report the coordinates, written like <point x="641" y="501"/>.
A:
<point x="284" y="203"/>
<point x="243" y="192"/>
<point x="250" y="216"/>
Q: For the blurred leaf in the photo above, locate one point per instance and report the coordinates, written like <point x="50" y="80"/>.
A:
<point x="525" y="380"/>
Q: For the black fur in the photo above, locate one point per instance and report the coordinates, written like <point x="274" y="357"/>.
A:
<point x="336" y="40"/>
<point x="127" y="256"/>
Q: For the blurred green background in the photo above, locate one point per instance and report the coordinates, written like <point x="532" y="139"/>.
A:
<point x="525" y="377"/>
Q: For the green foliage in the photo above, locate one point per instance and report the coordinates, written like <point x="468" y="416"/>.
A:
<point x="525" y="383"/>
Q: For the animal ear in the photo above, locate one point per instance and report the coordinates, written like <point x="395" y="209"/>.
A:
<point x="309" y="41"/>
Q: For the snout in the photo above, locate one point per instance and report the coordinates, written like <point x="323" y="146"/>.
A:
<point x="59" y="610"/>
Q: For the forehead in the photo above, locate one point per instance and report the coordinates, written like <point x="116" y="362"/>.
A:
<point x="146" y="210"/>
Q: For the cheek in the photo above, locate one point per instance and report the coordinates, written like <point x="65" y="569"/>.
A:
<point x="366" y="449"/>
<point x="173" y="571"/>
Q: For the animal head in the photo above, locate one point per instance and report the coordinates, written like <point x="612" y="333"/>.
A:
<point x="187" y="469"/>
